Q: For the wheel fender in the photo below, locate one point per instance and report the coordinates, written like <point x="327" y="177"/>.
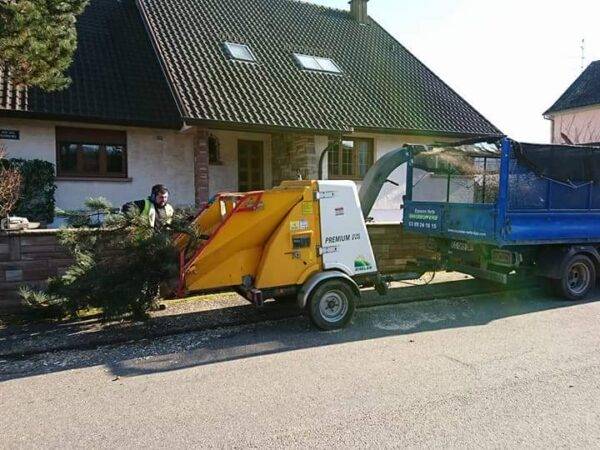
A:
<point x="319" y="278"/>
<point x="552" y="261"/>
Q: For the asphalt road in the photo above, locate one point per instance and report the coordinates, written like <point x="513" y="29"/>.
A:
<point x="487" y="371"/>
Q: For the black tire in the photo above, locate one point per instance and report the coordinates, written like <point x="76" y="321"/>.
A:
<point x="331" y="305"/>
<point x="578" y="277"/>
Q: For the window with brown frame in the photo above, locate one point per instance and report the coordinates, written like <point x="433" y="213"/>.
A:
<point x="351" y="159"/>
<point x="91" y="153"/>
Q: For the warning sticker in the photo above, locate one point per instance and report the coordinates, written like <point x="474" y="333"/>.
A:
<point x="298" y="225"/>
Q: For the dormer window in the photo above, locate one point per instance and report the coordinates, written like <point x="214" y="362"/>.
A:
<point x="317" y="63"/>
<point x="239" y="52"/>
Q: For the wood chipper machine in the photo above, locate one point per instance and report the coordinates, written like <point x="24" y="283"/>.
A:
<point x="305" y="240"/>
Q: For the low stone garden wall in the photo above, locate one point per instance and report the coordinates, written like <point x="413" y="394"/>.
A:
<point x="395" y="249"/>
<point x="31" y="257"/>
<point x="28" y="258"/>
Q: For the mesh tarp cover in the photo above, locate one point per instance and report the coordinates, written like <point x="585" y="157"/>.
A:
<point x="565" y="163"/>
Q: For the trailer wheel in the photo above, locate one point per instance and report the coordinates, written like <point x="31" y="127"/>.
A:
<point x="331" y="305"/>
<point x="578" y="277"/>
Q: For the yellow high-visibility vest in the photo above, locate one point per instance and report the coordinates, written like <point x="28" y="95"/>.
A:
<point x="150" y="212"/>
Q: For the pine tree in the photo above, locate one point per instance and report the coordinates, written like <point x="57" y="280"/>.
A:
<point x="38" y="39"/>
<point x="97" y="210"/>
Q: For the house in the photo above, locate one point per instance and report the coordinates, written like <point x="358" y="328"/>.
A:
<point x="215" y="95"/>
<point x="575" y="116"/>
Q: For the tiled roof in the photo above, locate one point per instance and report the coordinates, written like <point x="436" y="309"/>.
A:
<point x="116" y="76"/>
<point x="585" y="91"/>
<point x="382" y="87"/>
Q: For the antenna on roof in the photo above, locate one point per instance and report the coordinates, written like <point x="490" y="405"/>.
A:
<point x="582" y="54"/>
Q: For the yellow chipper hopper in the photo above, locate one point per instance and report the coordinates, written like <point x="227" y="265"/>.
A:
<point x="303" y="239"/>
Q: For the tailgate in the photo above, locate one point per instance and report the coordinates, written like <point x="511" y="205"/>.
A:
<point x="451" y="220"/>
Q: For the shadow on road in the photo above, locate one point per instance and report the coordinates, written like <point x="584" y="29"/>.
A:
<point x="371" y="323"/>
<point x="218" y="345"/>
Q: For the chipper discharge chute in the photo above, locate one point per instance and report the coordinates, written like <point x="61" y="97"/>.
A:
<point x="305" y="240"/>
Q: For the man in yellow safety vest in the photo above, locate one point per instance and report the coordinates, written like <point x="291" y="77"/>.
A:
<point x="155" y="208"/>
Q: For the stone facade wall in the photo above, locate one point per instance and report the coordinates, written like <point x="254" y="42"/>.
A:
<point x="201" y="186"/>
<point x="293" y="154"/>
<point x="28" y="258"/>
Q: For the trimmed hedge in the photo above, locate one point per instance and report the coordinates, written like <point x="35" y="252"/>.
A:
<point x="36" y="201"/>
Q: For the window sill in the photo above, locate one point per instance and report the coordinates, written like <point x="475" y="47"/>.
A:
<point x="99" y="179"/>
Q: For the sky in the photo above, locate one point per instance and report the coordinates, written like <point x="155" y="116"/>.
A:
<point x="510" y="59"/>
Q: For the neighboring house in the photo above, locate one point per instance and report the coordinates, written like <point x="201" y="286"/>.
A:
<point x="576" y="114"/>
<point x="207" y="96"/>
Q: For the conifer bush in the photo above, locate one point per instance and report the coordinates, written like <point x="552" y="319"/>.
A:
<point x="118" y="266"/>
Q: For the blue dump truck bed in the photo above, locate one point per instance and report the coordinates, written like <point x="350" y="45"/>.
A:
<point x="537" y="194"/>
<point x="499" y="210"/>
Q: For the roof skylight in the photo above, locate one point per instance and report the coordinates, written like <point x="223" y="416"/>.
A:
<point x="240" y="52"/>
<point x="317" y="63"/>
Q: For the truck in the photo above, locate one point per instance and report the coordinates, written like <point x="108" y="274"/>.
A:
<point x="533" y="211"/>
<point x="495" y="209"/>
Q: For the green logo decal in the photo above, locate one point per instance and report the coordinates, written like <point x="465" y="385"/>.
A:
<point x="361" y="264"/>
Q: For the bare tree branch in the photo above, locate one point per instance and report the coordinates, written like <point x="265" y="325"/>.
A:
<point x="10" y="184"/>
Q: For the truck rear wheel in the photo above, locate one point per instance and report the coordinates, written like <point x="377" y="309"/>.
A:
<point x="331" y="305"/>
<point x="578" y="277"/>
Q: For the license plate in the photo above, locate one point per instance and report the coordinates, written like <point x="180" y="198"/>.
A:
<point x="462" y="246"/>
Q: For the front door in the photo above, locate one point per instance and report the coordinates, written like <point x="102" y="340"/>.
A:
<point x="250" y="166"/>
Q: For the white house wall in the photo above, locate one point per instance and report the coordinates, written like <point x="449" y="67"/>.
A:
<point x="166" y="156"/>
<point x="153" y="156"/>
